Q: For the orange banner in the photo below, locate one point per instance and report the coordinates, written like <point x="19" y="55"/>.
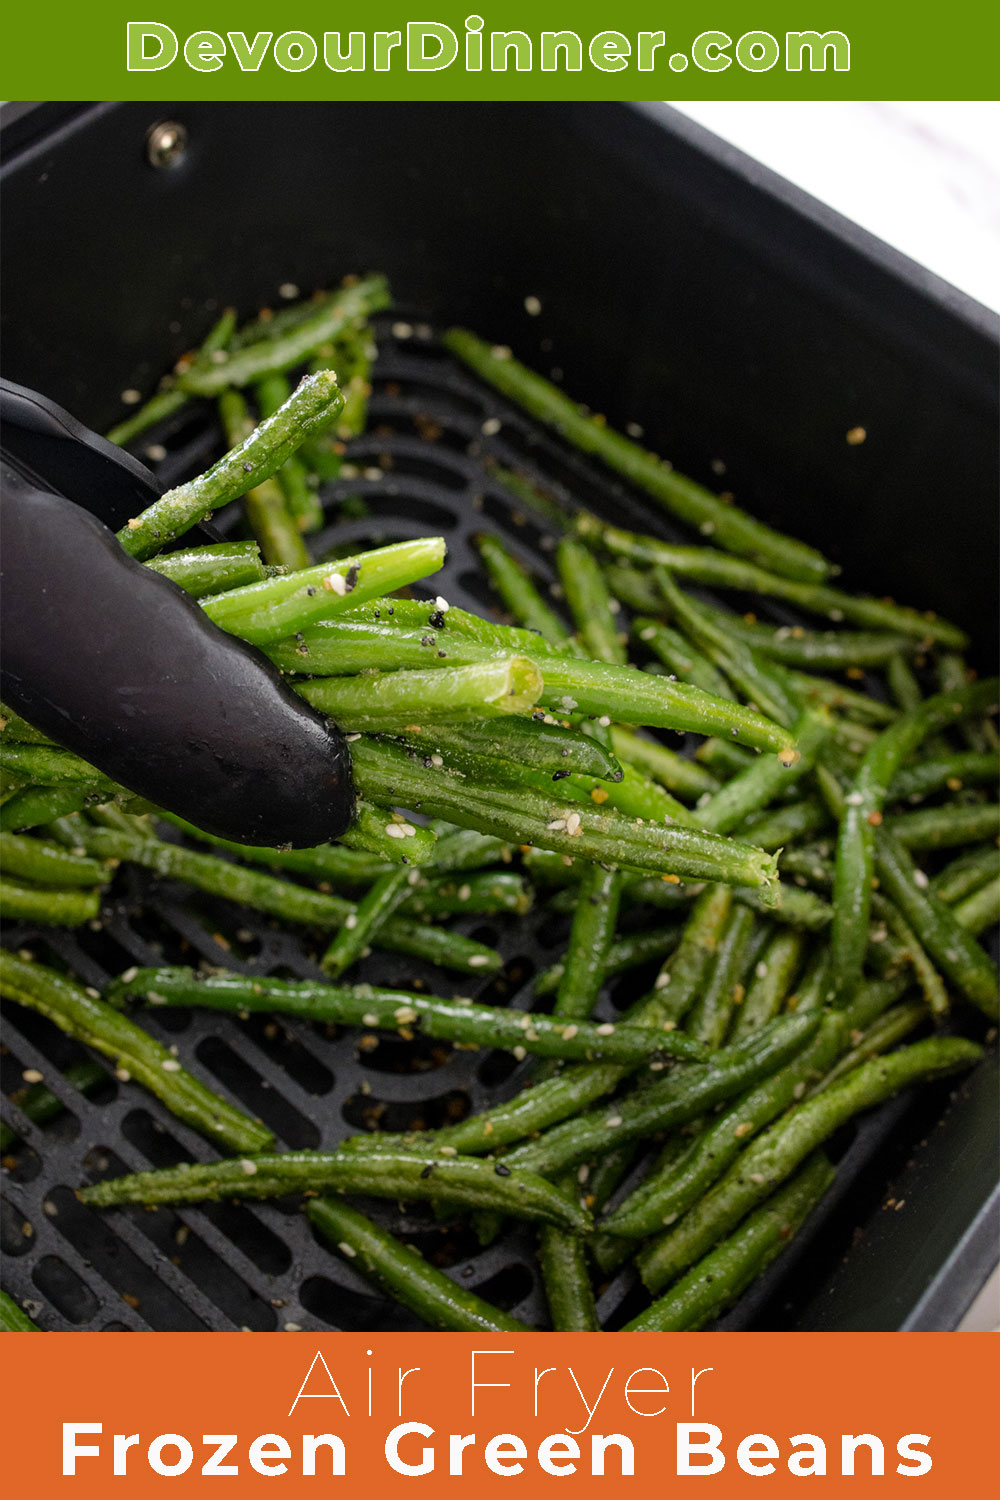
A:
<point x="97" y="1414"/>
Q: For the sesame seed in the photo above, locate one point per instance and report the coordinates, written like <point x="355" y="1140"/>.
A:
<point x="156" y="453"/>
<point x="369" y="1019"/>
<point x="288" y="290"/>
<point x="437" y="760"/>
<point x="402" y="330"/>
<point x="293" y="1327"/>
<point x="351" y="921"/>
<point x="662" y="980"/>
<point x="449" y="1150"/>
<point x="491" y="427"/>
<point x="131" y="397"/>
<point x="920" y="879"/>
<point x="520" y="1053"/>
<point x="761" y="970"/>
<point x="743" y="1129"/>
<point x="350" y="738"/>
<point x="605" y="1029"/>
<point x="532" y="306"/>
<point x="32" y="1075"/>
<point x="569" y="1032"/>
<point x="405" y="1015"/>
<point x="394" y="830"/>
<point x="249" y="1167"/>
<point x="346" y="1249"/>
<point x="334" y="583"/>
<point x="855" y="436"/>
<point x="478" y="960"/>
<point x="613" y="1121"/>
<point x="604" y="721"/>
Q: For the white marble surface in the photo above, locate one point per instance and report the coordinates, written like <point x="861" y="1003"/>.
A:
<point x="924" y="176"/>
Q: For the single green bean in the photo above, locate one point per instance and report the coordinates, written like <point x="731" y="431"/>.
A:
<point x="931" y="984"/>
<point x="390" y="700"/>
<point x="519" y="594"/>
<point x="136" y="1054"/>
<point x="691" y="502"/>
<point x="593" y="929"/>
<point x="538" y="743"/>
<point x="772" y="981"/>
<point x="781" y="826"/>
<point x="824" y="651"/>
<point x="679" y="656"/>
<point x="623" y="954"/>
<point x="777" y="1153"/>
<point x="967" y="873"/>
<point x="566" y="1276"/>
<point x="981" y="909"/>
<point x="954" y="949"/>
<point x="211" y="570"/>
<point x="37" y="806"/>
<point x="404" y="1273"/>
<point x="757" y="786"/>
<point x="883" y="1034"/>
<point x="590" y="603"/>
<point x="483" y="894"/>
<point x="361" y="928"/>
<point x="315" y="403"/>
<point x="721" y="1275"/>
<point x="48" y="864"/>
<point x="711" y="1014"/>
<point x="265" y="612"/>
<point x="32" y="903"/>
<point x="464" y="1180"/>
<point x="457" y="1020"/>
<point x="944" y="827"/>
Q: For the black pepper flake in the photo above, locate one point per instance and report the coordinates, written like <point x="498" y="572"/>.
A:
<point x="437" y="620"/>
<point x="248" y="468"/>
<point x="390" y="610"/>
<point x="442" y="654"/>
<point x="560" y="775"/>
<point x="351" y="578"/>
<point x="501" y="1170"/>
<point x="427" y="1171"/>
<point x="310" y="590"/>
<point x="428" y="763"/>
<point x="427" y="640"/>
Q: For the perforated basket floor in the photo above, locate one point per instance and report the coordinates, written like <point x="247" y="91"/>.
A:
<point x="423" y="467"/>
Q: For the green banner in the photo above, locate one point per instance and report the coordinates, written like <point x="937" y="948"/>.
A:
<point x="508" y="49"/>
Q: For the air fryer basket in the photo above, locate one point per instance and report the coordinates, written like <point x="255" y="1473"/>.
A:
<point x="681" y="287"/>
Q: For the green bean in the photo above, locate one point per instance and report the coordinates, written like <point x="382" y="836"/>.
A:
<point x="624" y="954"/>
<point x="711" y="1014"/>
<point x="346" y="645"/>
<point x="903" y="685"/>
<point x="590" y="603"/>
<point x="361" y="928"/>
<point x="677" y="773"/>
<point x="691" y="502"/>
<point x="508" y="685"/>
<point x="48" y="864"/>
<point x="566" y="1277"/>
<point x="519" y="594"/>
<point x="463" y="1180"/>
<point x="271" y="324"/>
<point x="783" y="825"/>
<point x="945" y="827"/>
<point x="955" y="770"/>
<point x="776" y="1153"/>
<point x="327" y="862"/>
<point x="704" y="565"/>
<point x="47" y="765"/>
<point x="795" y="907"/>
<point x="537" y="743"/>
<point x="13" y="1319"/>
<point x="213" y="569"/>
<point x="404" y="1273"/>
<point x="32" y="903"/>
<point x="272" y="392"/>
<point x="389" y="835"/>
<point x="169" y="401"/>
<point x="524" y="817"/>
<point x="673" y="1189"/>
<point x="891" y="1027"/>
<point x="934" y="992"/>
<point x="36" y="806"/>
<point x="721" y="1275"/>
<point x="594" y="923"/>
<point x="342" y="310"/>
<point x="457" y="1020"/>
<point x="15" y="730"/>
<point x="267" y="508"/>
<point x="315" y="403"/>
<point x="482" y="894"/>
<point x="761" y="782"/>
<point x="981" y="909"/>
<point x="136" y="1054"/>
<point x="723" y="756"/>
<point x="679" y="656"/>
<point x="952" y="675"/>
<point x="861" y="710"/>
<point x="862" y="815"/>
<point x="682" y="1096"/>
<point x="283" y="898"/>
<point x="265" y="612"/>
<point x="967" y="873"/>
<point x="953" y="948"/>
<point x="772" y="981"/>
<point x="824" y="651"/>
<point x="40" y="1105"/>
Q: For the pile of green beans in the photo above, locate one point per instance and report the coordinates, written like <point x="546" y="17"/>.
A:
<point x="820" y="833"/>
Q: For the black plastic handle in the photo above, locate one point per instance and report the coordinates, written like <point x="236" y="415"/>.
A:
<point x="121" y="666"/>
